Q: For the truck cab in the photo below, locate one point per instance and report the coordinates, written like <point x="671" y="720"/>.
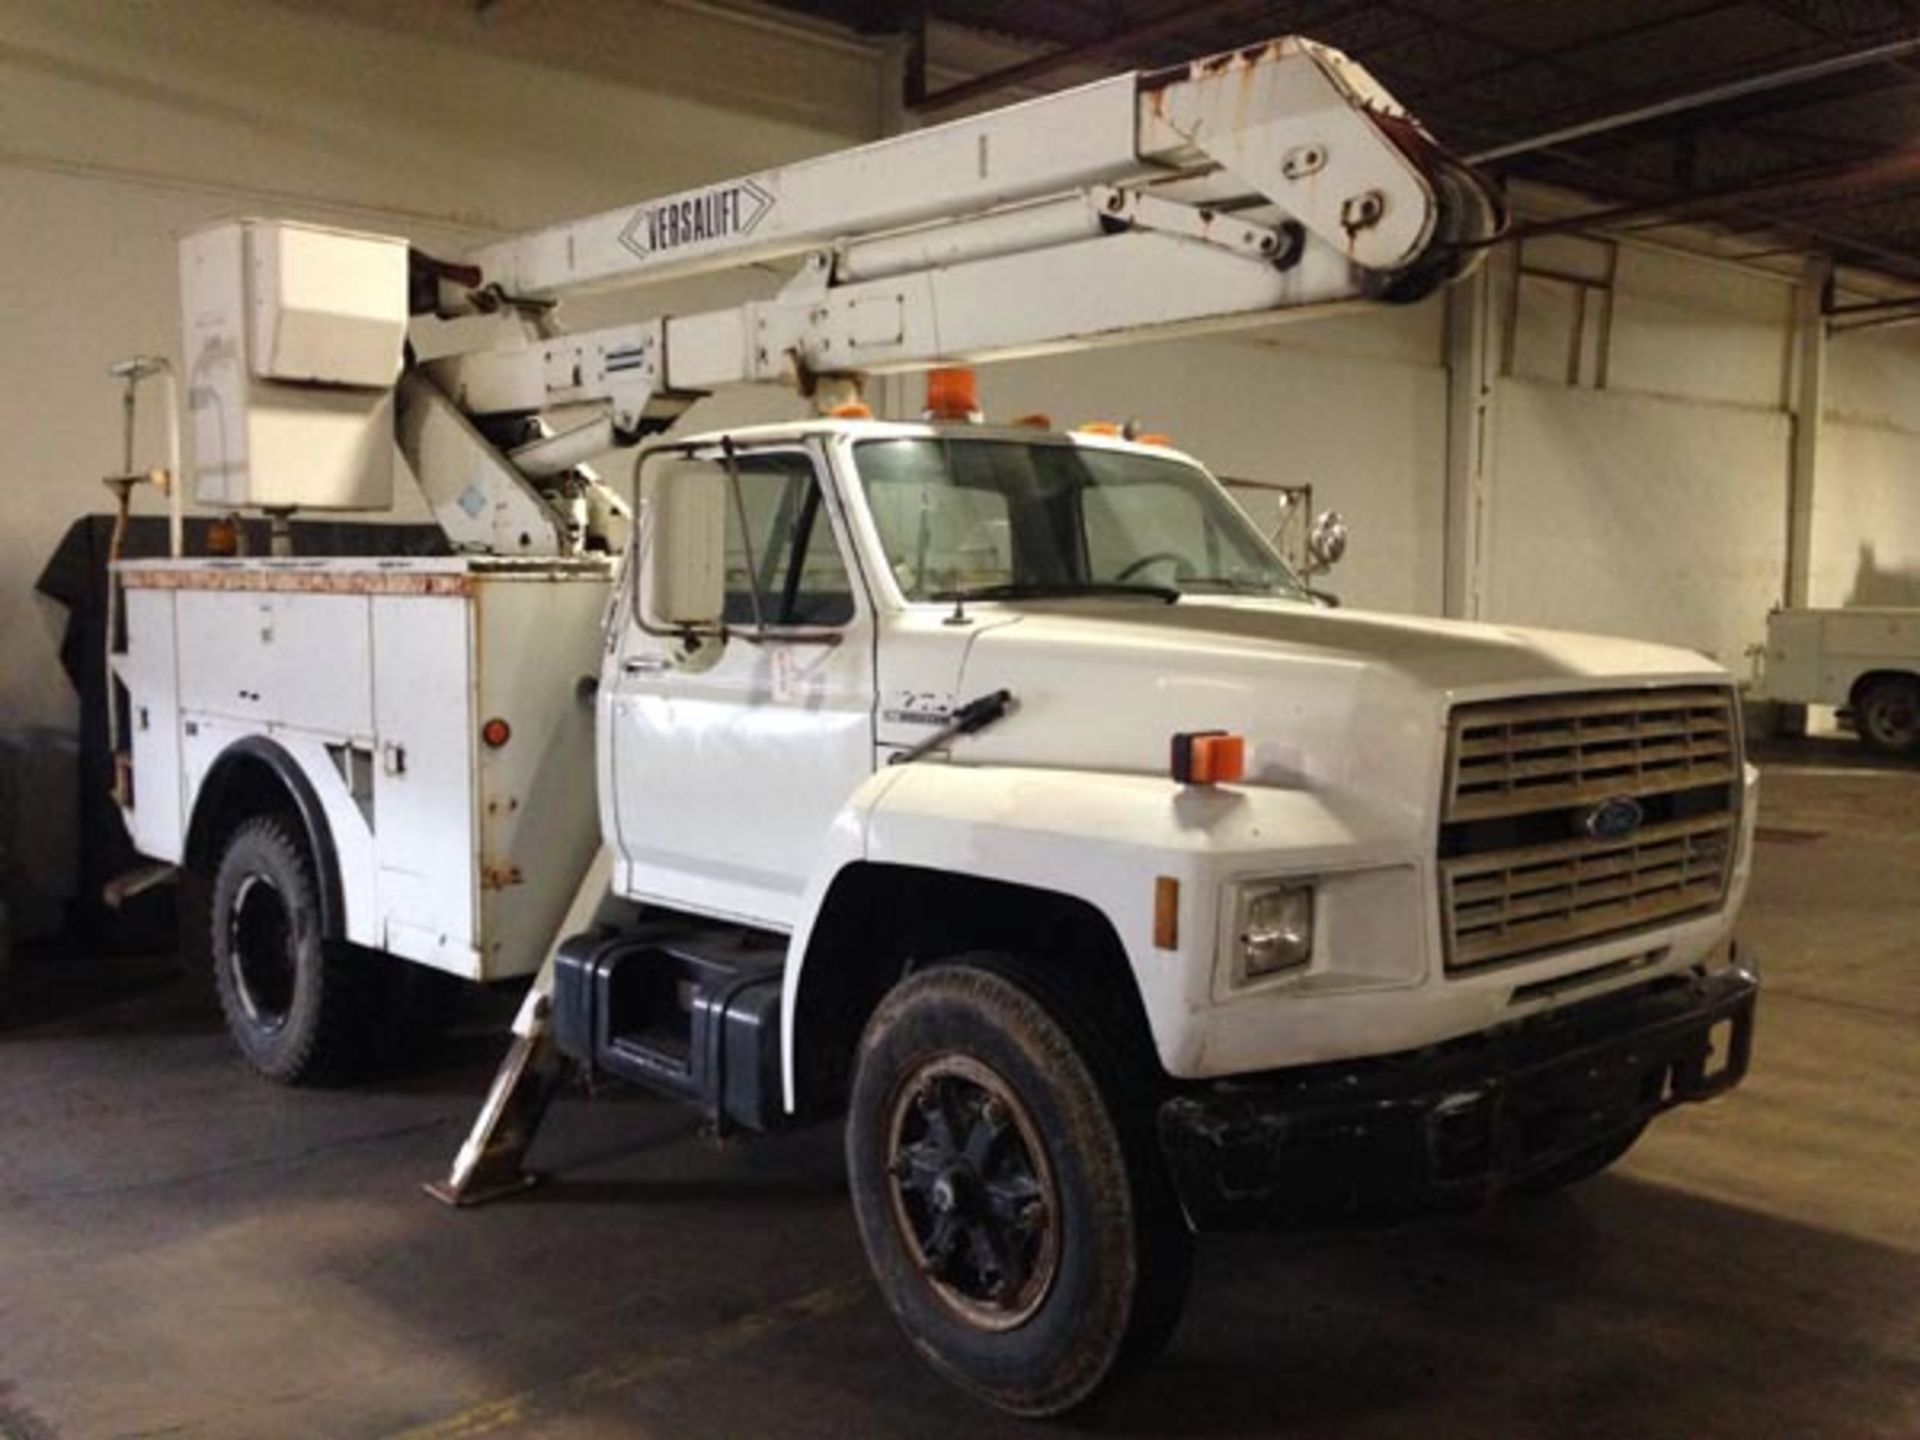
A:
<point x="1346" y="914"/>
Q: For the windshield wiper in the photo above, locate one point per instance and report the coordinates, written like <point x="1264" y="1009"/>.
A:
<point x="1057" y="590"/>
<point x="1241" y="585"/>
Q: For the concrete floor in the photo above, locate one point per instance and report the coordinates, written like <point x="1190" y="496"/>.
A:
<point x="187" y="1252"/>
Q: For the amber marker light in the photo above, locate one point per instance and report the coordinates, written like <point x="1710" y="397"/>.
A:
<point x="1166" y="913"/>
<point x="1209" y="757"/>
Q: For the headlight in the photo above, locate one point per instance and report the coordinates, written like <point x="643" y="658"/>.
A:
<point x="1274" y="930"/>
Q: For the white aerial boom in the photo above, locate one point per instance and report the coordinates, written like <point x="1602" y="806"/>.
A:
<point x="1267" y="183"/>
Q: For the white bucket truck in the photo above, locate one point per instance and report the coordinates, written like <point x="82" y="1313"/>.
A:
<point x="1863" y="661"/>
<point x="998" y="789"/>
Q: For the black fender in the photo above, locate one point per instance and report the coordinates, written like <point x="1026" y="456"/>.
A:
<point x="252" y="775"/>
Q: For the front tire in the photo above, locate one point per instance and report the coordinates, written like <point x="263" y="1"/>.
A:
<point x="1887" y="715"/>
<point x="1021" y="1232"/>
<point x="293" y="1003"/>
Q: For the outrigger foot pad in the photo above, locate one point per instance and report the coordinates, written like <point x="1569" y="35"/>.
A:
<point x="490" y="1163"/>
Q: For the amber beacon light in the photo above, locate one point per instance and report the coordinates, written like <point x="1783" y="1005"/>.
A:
<point x="953" y="393"/>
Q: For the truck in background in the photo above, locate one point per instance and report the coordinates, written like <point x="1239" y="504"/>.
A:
<point x="1864" y="662"/>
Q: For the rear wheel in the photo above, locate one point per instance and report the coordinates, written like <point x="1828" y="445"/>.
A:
<point x="1887" y="715"/>
<point x="293" y="1003"/>
<point x="1019" y="1229"/>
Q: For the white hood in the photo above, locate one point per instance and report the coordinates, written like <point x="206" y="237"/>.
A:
<point x="1347" y="703"/>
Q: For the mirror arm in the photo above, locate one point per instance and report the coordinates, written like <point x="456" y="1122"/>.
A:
<point x="682" y="632"/>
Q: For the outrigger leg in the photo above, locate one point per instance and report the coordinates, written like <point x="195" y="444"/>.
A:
<point x="490" y="1164"/>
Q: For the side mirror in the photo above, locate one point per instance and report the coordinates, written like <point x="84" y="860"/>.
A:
<point x="683" y="545"/>
<point x="1326" y="542"/>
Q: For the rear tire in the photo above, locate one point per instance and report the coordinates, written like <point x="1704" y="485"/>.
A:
<point x="1021" y="1231"/>
<point x="1887" y="715"/>
<point x="295" y="1004"/>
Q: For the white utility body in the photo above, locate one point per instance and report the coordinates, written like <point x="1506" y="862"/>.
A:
<point x="377" y="677"/>
<point x="999" y="787"/>
<point x="1865" y="661"/>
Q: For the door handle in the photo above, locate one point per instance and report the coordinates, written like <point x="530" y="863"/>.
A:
<point x="645" y="665"/>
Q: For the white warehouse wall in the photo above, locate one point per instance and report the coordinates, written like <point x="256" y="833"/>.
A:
<point x="1866" y="514"/>
<point x="1645" y="515"/>
<point x="1655" y="506"/>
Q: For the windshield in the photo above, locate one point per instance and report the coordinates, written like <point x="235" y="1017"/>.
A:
<point x="985" y="518"/>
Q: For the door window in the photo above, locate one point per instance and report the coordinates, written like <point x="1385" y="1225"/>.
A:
<point x="784" y="567"/>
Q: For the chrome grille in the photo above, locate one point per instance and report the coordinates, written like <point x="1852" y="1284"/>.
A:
<point x="1512" y="757"/>
<point x="1519" y="874"/>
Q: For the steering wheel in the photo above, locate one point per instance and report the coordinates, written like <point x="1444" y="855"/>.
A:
<point x="1132" y="568"/>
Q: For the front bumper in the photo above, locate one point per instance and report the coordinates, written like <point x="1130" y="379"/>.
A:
<point x="1452" y="1125"/>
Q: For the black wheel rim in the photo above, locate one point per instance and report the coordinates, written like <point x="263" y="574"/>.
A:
<point x="1893" y="718"/>
<point x="260" y="951"/>
<point x="972" y="1193"/>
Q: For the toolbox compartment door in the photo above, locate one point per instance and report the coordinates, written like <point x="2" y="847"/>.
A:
<point x="423" y="786"/>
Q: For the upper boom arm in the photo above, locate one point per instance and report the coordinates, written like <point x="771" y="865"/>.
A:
<point x="1290" y="128"/>
<point x="1242" y="189"/>
<point x="1267" y="183"/>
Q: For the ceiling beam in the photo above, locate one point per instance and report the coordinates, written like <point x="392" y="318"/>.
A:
<point x="1884" y="171"/>
<point x="1704" y="99"/>
<point x="1118" y="43"/>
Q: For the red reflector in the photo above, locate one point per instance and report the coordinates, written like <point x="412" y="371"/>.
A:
<point x="496" y="732"/>
<point x="1209" y="757"/>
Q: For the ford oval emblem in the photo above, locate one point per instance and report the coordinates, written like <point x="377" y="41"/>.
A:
<point x="1616" y="818"/>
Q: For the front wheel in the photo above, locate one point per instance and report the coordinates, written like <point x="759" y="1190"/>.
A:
<point x="1887" y="715"/>
<point x="1022" y="1237"/>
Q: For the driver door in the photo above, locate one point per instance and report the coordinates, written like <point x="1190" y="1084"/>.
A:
<point x="726" y="778"/>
